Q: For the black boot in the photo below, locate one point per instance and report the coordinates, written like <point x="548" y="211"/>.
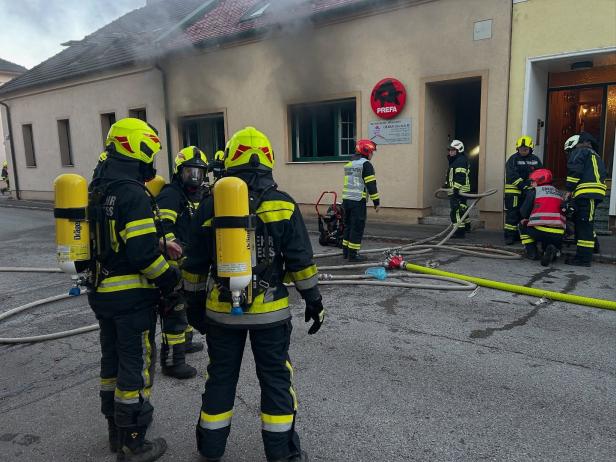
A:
<point x="459" y="234"/>
<point x="345" y="252"/>
<point x="354" y="256"/>
<point x="114" y="436"/>
<point x="549" y="255"/>
<point x="597" y="248"/>
<point x="577" y="261"/>
<point x="510" y="239"/>
<point x="135" y="448"/>
<point x="531" y="252"/>
<point x="173" y="362"/>
<point x="190" y="346"/>
<point x="301" y="457"/>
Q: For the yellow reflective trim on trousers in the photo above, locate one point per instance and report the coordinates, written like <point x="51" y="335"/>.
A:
<point x="215" y="421"/>
<point x="369" y="179"/>
<point x="147" y="359"/>
<point x="119" y="283"/>
<point x="530" y="240"/>
<point x="509" y="227"/>
<point x="158" y="267"/>
<point x="168" y="214"/>
<point x="257" y="307"/>
<point x="108" y="384"/>
<point x="126" y="397"/>
<point x="345" y="243"/>
<point x="587" y="244"/>
<point x="173" y="339"/>
<point x="353" y="246"/>
<point x="289" y="366"/>
<point x="305" y="273"/>
<point x="277" y="423"/>
<point x="547" y="229"/>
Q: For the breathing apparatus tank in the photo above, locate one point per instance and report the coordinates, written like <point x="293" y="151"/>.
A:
<point x="155" y="185"/>
<point x="72" y="228"/>
<point x="234" y="239"/>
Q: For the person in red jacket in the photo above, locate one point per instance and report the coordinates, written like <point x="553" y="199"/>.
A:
<point x="542" y="218"/>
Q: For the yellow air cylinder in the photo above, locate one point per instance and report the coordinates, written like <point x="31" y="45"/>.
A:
<point x="233" y="257"/>
<point x="72" y="228"/>
<point x="155" y="185"/>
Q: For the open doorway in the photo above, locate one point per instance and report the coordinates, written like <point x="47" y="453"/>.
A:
<point x="206" y="131"/>
<point x="452" y="111"/>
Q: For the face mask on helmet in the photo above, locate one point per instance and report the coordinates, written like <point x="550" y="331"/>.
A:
<point x="192" y="177"/>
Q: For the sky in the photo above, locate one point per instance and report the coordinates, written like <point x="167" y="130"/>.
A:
<point x="32" y="30"/>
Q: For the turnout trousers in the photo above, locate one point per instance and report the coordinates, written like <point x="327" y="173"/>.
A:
<point x="512" y="213"/>
<point x="176" y="333"/>
<point x="532" y="235"/>
<point x="270" y="347"/>
<point x="457" y="208"/>
<point x="584" y="219"/>
<point x="354" y="224"/>
<point x="127" y="366"/>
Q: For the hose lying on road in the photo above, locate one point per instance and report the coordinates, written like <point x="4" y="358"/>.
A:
<point x="397" y="262"/>
<point x="42" y="338"/>
<point x="23" y="269"/>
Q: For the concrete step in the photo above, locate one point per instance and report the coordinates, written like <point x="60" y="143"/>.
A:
<point x="444" y="212"/>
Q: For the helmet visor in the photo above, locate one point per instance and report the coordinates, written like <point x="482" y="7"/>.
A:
<point x="192" y="176"/>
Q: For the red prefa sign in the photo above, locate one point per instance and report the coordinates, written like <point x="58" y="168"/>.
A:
<point x="388" y="98"/>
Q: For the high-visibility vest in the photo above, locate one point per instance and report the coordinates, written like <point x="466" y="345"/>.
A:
<point x="354" y="186"/>
<point x="547" y="209"/>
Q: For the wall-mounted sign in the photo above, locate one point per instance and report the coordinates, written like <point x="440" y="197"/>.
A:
<point x="390" y="132"/>
<point x="388" y="98"/>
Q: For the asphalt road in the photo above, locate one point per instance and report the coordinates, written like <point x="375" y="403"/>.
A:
<point x="394" y="374"/>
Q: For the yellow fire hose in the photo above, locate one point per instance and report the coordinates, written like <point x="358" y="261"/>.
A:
<point x="397" y="262"/>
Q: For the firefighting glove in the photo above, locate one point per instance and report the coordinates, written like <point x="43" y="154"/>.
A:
<point x="316" y="312"/>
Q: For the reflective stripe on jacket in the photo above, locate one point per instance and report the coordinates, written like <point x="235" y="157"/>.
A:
<point x="547" y="208"/>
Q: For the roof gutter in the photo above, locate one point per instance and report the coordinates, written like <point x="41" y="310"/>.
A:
<point x="12" y="145"/>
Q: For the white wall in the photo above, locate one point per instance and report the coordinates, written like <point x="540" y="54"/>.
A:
<point x="82" y="104"/>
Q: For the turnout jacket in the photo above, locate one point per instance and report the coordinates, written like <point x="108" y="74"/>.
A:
<point x="457" y="174"/>
<point x="543" y="207"/>
<point x="131" y="269"/>
<point x="586" y="174"/>
<point x="517" y="170"/>
<point x="360" y="181"/>
<point x="176" y="212"/>
<point x="283" y="253"/>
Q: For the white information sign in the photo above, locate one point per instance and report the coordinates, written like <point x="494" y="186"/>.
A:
<point x="396" y="131"/>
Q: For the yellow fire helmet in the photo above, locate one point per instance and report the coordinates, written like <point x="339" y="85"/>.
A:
<point x="5" y="164"/>
<point x="220" y="155"/>
<point x="190" y="156"/>
<point x="524" y="141"/>
<point x="135" y="139"/>
<point x="250" y="149"/>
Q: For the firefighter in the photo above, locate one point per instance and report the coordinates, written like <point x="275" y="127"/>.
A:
<point x="128" y="277"/>
<point x="218" y="165"/>
<point x="517" y="170"/>
<point x="283" y="252"/>
<point x="5" y="176"/>
<point x="457" y="180"/>
<point x="359" y="184"/>
<point x="178" y="202"/>
<point x="586" y="175"/>
<point x="542" y="218"/>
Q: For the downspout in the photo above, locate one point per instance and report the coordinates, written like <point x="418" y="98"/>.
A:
<point x="12" y="146"/>
<point x="166" y="114"/>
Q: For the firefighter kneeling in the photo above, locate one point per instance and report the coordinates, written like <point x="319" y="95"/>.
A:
<point x="543" y="220"/>
<point x="261" y="311"/>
